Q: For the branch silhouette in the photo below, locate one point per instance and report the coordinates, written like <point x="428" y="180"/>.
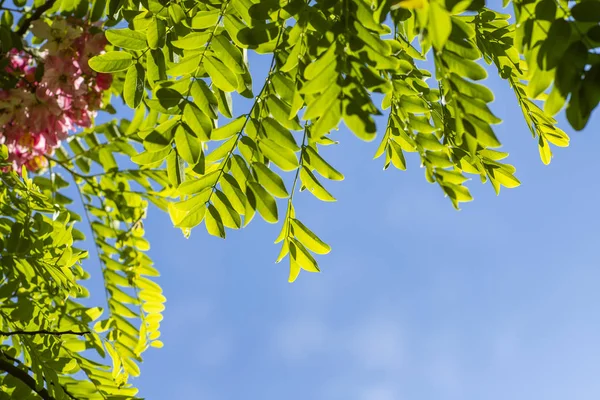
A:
<point x="44" y="332"/>
<point x="37" y="13"/>
<point x="24" y="377"/>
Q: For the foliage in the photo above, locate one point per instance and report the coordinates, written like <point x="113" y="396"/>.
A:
<point x="182" y="65"/>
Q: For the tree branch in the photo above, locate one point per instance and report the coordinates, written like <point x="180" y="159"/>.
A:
<point x="37" y="13"/>
<point x="19" y="363"/>
<point x="43" y="332"/>
<point x="25" y="378"/>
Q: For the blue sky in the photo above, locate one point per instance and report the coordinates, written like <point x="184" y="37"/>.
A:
<point x="416" y="300"/>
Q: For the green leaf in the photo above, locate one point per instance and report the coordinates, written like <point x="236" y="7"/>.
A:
<point x="205" y="19"/>
<point x="189" y="213"/>
<point x="175" y="169"/>
<point x="321" y="81"/>
<point x="229" y="216"/>
<point x="127" y="39"/>
<point x="155" y="63"/>
<point x="111" y="61"/>
<point x="329" y="120"/>
<point x="228" y="54"/>
<point x="265" y="203"/>
<point x="225" y="103"/>
<point x="322" y="64"/>
<point x="308" y="238"/>
<point x="197" y="185"/>
<point x="314" y="186"/>
<point x="148" y="157"/>
<point x="463" y="67"/>
<point x="553" y="48"/>
<point x="539" y="82"/>
<point x="361" y="124"/>
<point x="294" y="270"/>
<point x="506" y="178"/>
<point x="283" y="157"/>
<point x="141" y="21"/>
<point x="397" y="156"/>
<point x="116" y="360"/>
<point x="156" y="33"/>
<point x="188" y="144"/>
<point x="176" y="13"/>
<point x="439" y="25"/>
<point x="281" y="113"/>
<point x="471" y="89"/>
<point x="204" y="98"/>
<point x="222" y="77"/>
<point x="270" y="180"/>
<point x="226" y="131"/>
<point x="234" y="193"/>
<point x="300" y="255"/>
<point x="321" y="104"/>
<point x="239" y="169"/>
<point x="279" y="134"/>
<point x="187" y="65"/>
<point x="168" y="97"/>
<point x="555" y="102"/>
<point x="545" y="152"/>
<point x="586" y="11"/>
<point x="214" y="223"/>
<point x="221" y="151"/>
<point x="192" y="41"/>
<point x="133" y="89"/>
<point x="380" y="47"/>
<point x="315" y="160"/>
<point x="285" y="249"/>
<point x="200" y="124"/>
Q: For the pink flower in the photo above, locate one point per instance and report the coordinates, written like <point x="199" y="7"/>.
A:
<point x="103" y="81"/>
<point x="18" y="61"/>
<point x="35" y="116"/>
<point x="88" y="47"/>
<point x="63" y="76"/>
<point x="59" y="36"/>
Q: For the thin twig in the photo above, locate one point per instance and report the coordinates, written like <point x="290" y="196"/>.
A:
<point x="25" y="378"/>
<point x="19" y="10"/>
<point x="35" y="16"/>
<point x="257" y="101"/>
<point x="44" y="332"/>
<point x="20" y="363"/>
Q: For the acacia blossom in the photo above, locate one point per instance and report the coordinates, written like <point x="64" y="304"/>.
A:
<point x="38" y="110"/>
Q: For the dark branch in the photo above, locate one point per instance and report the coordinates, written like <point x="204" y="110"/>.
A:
<point x="19" y="363"/>
<point x="37" y="13"/>
<point x="24" y="377"/>
<point x="43" y="332"/>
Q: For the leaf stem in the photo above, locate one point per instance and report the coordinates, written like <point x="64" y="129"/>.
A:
<point x="257" y="100"/>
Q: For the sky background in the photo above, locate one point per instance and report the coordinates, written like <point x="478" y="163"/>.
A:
<point x="416" y="301"/>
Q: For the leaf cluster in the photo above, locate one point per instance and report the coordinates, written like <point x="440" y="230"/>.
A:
<point x="182" y="66"/>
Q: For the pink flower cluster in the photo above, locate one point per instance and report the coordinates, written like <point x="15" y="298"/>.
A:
<point x="40" y="109"/>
